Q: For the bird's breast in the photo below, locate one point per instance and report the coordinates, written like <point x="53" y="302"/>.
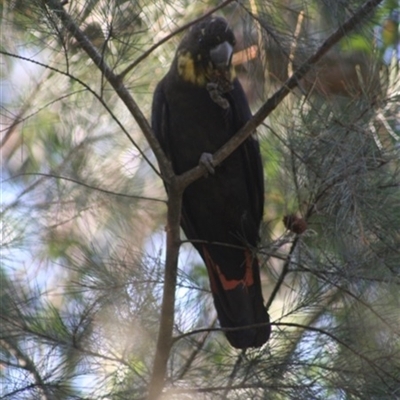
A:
<point x="197" y="125"/>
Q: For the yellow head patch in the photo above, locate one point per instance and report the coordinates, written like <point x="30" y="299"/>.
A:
<point x="192" y="71"/>
<point x="188" y="71"/>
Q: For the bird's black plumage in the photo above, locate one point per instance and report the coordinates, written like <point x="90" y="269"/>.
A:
<point x="197" y="107"/>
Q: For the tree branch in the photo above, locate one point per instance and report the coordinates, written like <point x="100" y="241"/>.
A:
<point x="309" y="329"/>
<point x="164" y="340"/>
<point x="86" y="185"/>
<point x="342" y="343"/>
<point x="24" y="362"/>
<point x="199" y="346"/>
<point x="89" y="89"/>
<point x="283" y="274"/>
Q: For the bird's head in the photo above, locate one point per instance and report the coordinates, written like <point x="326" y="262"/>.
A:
<point x="206" y="51"/>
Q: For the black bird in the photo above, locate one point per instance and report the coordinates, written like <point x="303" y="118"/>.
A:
<point x="197" y="107"/>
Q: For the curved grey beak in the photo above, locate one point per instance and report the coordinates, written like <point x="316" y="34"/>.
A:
<point x="221" y="55"/>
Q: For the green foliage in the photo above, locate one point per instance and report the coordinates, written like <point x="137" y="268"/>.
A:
<point x="358" y="43"/>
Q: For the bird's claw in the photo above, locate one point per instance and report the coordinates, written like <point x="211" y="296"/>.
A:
<point x="206" y="159"/>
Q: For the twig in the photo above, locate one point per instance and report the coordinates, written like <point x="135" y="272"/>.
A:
<point x="260" y="43"/>
<point x="342" y="343"/>
<point x="283" y="274"/>
<point x="311" y="329"/>
<point x="24" y="362"/>
<point x="89" y="89"/>
<point x="65" y="178"/>
<point x="294" y="42"/>
<point x="195" y="352"/>
<point x="235" y="369"/>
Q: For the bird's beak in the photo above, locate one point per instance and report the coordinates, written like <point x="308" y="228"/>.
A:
<point x="221" y="55"/>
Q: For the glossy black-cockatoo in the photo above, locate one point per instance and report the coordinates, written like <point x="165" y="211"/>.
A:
<point x="197" y="107"/>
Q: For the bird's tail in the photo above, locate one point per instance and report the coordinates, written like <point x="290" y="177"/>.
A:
<point x="239" y="302"/>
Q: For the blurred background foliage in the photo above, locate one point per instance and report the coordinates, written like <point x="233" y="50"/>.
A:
<point x="83" y="208"/>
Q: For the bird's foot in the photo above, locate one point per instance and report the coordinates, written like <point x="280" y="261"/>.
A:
<point x="206" y="159"/>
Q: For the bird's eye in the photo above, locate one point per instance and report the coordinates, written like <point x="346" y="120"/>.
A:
<point x="200" y="39"/>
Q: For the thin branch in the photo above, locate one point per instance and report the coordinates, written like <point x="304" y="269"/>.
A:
<point x="220" y="329"/>
<point x="293" y="45"/>
<point x="261" y="51"/>
<point x="233" y="373"/>
<point x="241" y="388"/>
<point x="98" y="97"/>
<point x="341" y="342"/>
<point x="18" y="119"/>
<point x="26" y="363"/>
<point x="86" y="185"/>
<point x="200" y="344"/>
<point x="309" y="320"/>
<point x="33" y="185"/>
<point x="343" y="291"/>
<point x="52" y="340"/>
<point x="307" y="328"/>
<point x="283" y="274"/>
<point x="164" y="340"/>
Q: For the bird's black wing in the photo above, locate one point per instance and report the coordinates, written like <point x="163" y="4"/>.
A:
<point x="159" y="118"/>
<point x="250" y="151"/>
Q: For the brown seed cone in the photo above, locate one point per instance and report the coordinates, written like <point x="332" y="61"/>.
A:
<point x="294" y="223"/>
